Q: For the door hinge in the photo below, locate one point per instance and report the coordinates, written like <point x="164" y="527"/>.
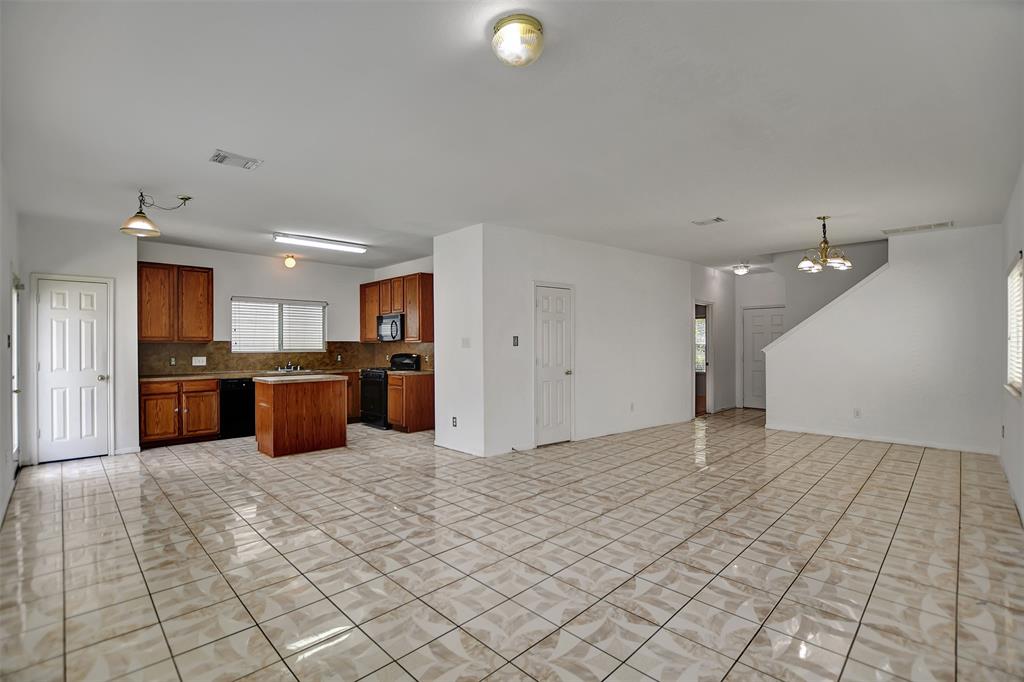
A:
<point x="39" y="434"/>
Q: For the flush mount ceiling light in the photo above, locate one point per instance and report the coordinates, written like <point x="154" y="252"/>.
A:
<point x="825" y="256"/>
<point x="318" y="243"/>
<point x="518" y="39"/>
<point x="289" y="261"/>
<point x="740" y="269"/>
<point x="139" y="225"/>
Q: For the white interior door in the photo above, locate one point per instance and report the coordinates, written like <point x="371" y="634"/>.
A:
<point x="73" y="383"/>
<point x="761" y="326"/>
<point x="554" y="353"/>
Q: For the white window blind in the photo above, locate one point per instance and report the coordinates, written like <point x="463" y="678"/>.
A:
<point x="268" y="325"/>
<point x="1014" y="325"/>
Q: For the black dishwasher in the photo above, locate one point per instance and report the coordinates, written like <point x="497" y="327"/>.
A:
<point x="237" y="408"/>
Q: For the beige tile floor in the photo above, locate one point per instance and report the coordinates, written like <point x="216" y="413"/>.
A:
<point x="708" y="550"/>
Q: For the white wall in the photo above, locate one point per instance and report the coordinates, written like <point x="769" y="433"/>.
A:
<point x="458" y="340"/>
<point x="1012" y="447"/>
<point x="718" y="287"/>
<point x="59" y="246"/>
<point x="801" y="293"/>
<point x="9" y="267"/>
<point x="241" y="274"/>
<point x="633" y="317"/>
<point x="917" y="347"/>
<point x="409" y="267"/>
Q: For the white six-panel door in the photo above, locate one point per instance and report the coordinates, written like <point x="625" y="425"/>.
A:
<point x="761" y="326"/>
<point x="553" y="366"/>
<point x="73" y="381"/>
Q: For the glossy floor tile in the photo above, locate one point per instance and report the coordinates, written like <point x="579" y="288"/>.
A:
<point x="710" y="550"/>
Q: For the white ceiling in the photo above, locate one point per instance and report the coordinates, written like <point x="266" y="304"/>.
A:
<point x="389" y="123"/>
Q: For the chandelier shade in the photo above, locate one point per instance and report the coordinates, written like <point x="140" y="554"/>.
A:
<point x="825" y="256"/>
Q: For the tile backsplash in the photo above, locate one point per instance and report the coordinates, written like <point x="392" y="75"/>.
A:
<point x="155" y="358"/>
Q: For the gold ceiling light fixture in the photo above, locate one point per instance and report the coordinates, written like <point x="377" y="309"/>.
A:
<point x="826" y="255"/>
<point x="289" y="261"/>
<point x="139" y="225"/>
<point x="518" y="39"/>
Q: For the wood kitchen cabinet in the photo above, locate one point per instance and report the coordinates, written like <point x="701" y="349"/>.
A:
<point x="353" y="396"/>
<point x="369" y="309"/>
<point x="411" y="402"/>
<point x="175" y="303"/>
<point x="178" y="410"/>
<point x="411" y="294"/>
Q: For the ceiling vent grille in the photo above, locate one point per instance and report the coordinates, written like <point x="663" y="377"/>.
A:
<point x="708" y="221"/>
<point x="919" y="228"/>
<point x="237" y="160"/>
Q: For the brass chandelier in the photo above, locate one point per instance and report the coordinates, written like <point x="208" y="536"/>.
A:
<point x="825" y="256"/>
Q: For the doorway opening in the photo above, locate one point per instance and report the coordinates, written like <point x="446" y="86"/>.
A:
<point x="13" y="345"/>
<point x="553" y="364"/>
<point x="700" y="359"/>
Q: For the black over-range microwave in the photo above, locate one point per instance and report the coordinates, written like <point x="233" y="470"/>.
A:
<point x="389" y="327"/>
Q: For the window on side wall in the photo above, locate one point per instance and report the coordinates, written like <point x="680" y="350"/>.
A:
<point x="1014" y="326"/>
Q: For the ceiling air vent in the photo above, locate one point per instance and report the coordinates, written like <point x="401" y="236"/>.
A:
<point x="708" y="221"/>
<point x="919" y="228"/>
<point x="237" y="160"/>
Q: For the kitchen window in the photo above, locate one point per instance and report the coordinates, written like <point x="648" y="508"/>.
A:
<point x="1014" y="326"/>
<point x="273" y="325"/>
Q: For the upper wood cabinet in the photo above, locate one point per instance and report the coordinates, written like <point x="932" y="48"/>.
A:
<point x="158" y="301"/>
<point x="195" y="304"/>
<point x="411" y="294"/>
<point x="369" y="309"/>
<point x="175" y="303"/>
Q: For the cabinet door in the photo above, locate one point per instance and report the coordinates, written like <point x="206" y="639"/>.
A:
<point x="158" y="297"/>
<point x="369" y="309"/>
<point x="200" y="413"/>
<point x="398" y="295"/>
<point x="385" y="296"/>
<point x="353" y="396"/>
<point x="411" y="285"/>
<point x="396" y="403"/>
<point x="195" y="304"/>
<point x="159" y="417"/>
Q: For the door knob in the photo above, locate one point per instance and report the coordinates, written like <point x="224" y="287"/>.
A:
<point x="102" y="377"/>
<point x="568" y="371"/>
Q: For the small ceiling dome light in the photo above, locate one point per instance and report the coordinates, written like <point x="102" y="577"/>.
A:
<point x="740" y="269"/>
<point x="289" y="261"/>
<point x="139" y="225"/>
<point x="518" y="39"/>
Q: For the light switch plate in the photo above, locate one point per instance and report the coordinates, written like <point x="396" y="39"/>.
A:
<point x="199" y="361"/>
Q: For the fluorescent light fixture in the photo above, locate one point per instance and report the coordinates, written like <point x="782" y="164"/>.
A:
<point x="318" y="243"/>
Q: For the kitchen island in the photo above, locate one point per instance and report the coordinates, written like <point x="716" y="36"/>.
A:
<point x="300" y="413"/>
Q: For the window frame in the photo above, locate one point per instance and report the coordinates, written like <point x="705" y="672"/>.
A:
<point x="702" y="369"/>
<point x="281" y="303"/>
<point x="1015" y="385"/>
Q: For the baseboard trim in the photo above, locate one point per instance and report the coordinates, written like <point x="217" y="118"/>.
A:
<point x="884" y="438"/>
<point x="134" y="450"/>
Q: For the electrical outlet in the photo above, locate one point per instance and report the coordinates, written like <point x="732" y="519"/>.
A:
<point x="632" y="407"/>
<point x="515" y="340"/>
<point x="455" y="422"/>
<point x="856" y="413"/>
<point x="465" y="342"/>
<point x="339" y="357"/>
<point x="199" y="361"/>
<point x="174" y="361"/>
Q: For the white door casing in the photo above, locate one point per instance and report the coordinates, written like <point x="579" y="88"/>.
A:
<point x="761" y="326"/>
<point x="73" y="372"/>
<point x="553" y="364"/>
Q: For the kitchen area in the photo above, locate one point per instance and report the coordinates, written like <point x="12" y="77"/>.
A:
<point x="195" y="387"/>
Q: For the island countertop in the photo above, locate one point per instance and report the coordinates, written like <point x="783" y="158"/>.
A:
<point x="299" y="378"/>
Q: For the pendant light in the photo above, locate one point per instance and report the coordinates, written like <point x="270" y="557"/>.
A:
<point x="825" y="256"/>
<point x="139" y="225"/>
<point x="518" y="40"/>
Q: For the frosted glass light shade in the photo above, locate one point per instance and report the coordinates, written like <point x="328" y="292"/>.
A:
<point x="139" y="225"/>
<point x="518" y="40"/>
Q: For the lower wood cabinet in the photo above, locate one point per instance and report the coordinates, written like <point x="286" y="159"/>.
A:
<point x="177" y="410"/>
<point x="411" y="402"/>
<point x="353" y="396"/>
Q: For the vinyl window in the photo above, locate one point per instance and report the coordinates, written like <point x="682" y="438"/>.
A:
<point x="272" y="325"/>
<point x="1014" y="325"/>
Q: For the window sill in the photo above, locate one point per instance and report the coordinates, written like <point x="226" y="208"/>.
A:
<point x="1013" y="390"/>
